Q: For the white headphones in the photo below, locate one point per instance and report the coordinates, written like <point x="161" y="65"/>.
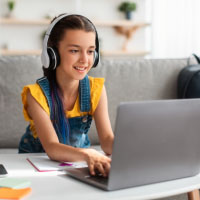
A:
<point x="50" y="56"/>
<point x="45" y="56"/>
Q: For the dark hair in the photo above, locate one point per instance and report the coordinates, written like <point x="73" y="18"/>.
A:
<point x="70" y="22"/>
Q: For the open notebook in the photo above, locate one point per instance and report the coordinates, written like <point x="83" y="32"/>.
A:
<point x="44" y="164"/>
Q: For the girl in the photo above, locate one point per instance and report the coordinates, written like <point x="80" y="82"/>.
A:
<point x="61" y="105"/>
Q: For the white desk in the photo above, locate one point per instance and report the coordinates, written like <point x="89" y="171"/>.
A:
<point x="51" y="186"/>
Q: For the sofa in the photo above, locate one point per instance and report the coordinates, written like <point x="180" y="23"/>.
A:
<point x="126" y="79"/>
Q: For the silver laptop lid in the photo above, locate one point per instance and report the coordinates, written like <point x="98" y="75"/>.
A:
<point x="155" y="141"/>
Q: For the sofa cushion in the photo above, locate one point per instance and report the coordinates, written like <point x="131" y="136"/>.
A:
<point x="15" y="72"/>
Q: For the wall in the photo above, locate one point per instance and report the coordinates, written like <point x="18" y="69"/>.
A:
<point x="29" y="36"/>
<point x="175" y="28"/>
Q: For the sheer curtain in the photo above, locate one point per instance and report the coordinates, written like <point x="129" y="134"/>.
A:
<point x="175" y="28"/>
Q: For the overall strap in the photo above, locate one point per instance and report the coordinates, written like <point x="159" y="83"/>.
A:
<point x="44" y="85"/>
<point x="84" y="94"/>
<point x="59" y="125"/>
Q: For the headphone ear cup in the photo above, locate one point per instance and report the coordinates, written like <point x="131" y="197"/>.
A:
<point x="54" y="58"/>
<point x="96" y="59"/>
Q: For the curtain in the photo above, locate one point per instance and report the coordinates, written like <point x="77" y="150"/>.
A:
<point x="175" y="28"/>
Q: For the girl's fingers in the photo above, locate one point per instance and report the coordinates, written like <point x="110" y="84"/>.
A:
<point x="107" y="167"/>
<point x="100" y="168"/>
<point x="99" y="163"/>
<point x="103" y="167"/>
<point x="91" y="168"/>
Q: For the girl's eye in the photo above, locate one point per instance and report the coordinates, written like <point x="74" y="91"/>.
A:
<point x="91" y="52"/>
<point x="73" y="51"/>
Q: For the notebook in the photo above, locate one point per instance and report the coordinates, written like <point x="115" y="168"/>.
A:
<point x="155" y="141"/>
<point x="44" y="164"/>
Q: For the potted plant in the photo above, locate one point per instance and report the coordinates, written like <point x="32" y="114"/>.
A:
<point x="127" y="7"/>
<point x="11" y="6"/>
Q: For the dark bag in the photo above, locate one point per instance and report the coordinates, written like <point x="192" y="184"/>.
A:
<point x="189" y="81"/>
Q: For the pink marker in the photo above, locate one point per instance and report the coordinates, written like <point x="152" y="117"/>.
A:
<point x="65" y="164"/>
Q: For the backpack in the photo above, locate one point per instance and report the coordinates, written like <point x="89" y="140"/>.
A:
<point x="188" y="85"/>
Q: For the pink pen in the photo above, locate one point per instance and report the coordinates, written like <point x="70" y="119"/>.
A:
<point x="65" y="164"/>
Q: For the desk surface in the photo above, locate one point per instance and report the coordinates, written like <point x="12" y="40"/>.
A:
<point x="48" y="185"/>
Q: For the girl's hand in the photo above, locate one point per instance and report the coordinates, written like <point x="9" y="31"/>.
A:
<point x="97" y="162"/>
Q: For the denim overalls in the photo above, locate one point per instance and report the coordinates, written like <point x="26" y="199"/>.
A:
<point x="79" y="126"/>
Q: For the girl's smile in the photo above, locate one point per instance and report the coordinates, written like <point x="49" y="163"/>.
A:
<point x="80" y="69"/>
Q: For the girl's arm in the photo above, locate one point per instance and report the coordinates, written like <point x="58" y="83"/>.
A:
<point x="103" y="125"/>
<point x="58" y="151"/>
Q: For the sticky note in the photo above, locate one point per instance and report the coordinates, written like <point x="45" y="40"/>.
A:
<point x="8" y="193"/>
<point x="16" y="183"/>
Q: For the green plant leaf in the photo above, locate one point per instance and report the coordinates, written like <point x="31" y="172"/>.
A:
<point x="11" y="5"/>
<point x="127" y="6"/>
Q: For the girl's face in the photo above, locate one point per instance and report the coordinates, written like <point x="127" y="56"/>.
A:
<point x="76" y="51"/>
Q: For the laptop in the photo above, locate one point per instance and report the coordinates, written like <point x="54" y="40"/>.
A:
<point x="155" y="141"/>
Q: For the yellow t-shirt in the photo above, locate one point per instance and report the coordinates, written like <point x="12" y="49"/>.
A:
<point x="96" y="85"/>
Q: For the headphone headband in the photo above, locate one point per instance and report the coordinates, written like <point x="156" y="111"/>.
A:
<point x="45" y="57"/>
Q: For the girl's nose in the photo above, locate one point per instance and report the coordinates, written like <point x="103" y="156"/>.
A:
<point x="83" y="57"/>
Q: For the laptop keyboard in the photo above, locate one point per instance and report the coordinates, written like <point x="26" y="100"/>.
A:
<point x="97" y="178"/>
